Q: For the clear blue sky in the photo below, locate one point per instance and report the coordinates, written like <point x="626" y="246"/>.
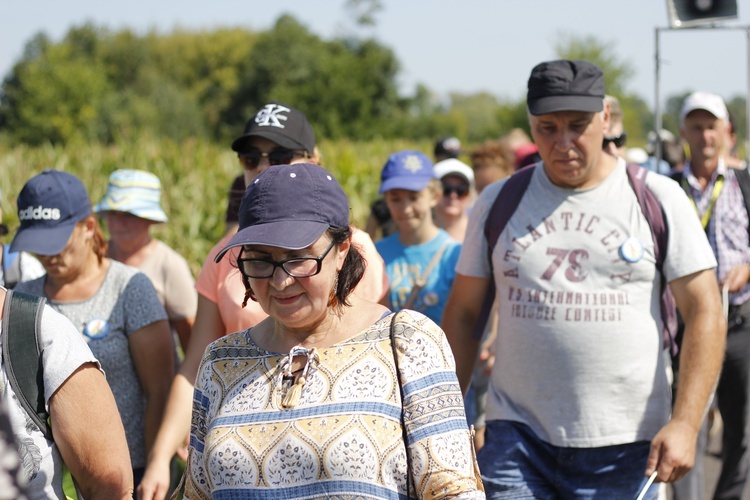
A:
<point x="449" y="45"/>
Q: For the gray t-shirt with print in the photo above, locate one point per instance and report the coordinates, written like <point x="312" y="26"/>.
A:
<point x="125" y="302"/>
<point x="579" y="348"/>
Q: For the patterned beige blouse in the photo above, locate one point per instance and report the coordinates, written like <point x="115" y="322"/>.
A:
<point x="341" y="435"/>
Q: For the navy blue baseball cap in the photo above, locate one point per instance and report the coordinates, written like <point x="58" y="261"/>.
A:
<point x="407" y="169"/>
<point x="49" y="207"/>
<point x="289" y="206"/>
<point x="565" y="85"/>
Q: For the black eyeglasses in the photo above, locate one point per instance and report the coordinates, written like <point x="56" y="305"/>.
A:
<point x="251" y="157"/>
<point x="297" y="267"/>
<point x="461" y="190"/>
<point x="619" y="141"/>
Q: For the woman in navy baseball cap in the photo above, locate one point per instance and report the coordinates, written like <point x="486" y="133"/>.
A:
<point x="115" y="306"/>
<point x="327" y="390"/>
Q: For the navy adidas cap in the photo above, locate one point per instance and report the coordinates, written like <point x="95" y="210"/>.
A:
<point x="289" y="206"/>
<point x="49" y="207"/>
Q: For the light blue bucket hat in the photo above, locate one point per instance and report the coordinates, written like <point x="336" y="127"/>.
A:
<point x="136" y="192"/>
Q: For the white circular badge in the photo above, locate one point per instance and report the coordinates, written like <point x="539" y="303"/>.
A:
<point x="96" y="328"/>
<point x="631" y="250"/>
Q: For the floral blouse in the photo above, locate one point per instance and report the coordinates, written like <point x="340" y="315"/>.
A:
<point x="256" y="433"/>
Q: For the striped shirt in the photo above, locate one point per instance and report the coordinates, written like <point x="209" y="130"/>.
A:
<point x="728" y="226"/>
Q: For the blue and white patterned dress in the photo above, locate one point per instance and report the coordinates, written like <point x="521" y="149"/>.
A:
<point x="344" y="438"/>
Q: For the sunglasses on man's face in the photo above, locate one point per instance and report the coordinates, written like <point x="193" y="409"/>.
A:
<point x="461" y="190"/>
<point x="619" y="141"/>
<point x="251" y="157"/>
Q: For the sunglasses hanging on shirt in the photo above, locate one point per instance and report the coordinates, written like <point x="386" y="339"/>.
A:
<point x="619" y="141"/>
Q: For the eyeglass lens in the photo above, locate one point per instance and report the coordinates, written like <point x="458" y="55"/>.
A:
<point x="460" y="190"/>
<point x="275" y="157"/>
<point x="297" y="267"/>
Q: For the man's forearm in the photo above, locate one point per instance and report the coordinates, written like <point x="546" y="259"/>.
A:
<point x="701" y="356"/>
<point x="459" y="317"/>
<point x="458" y="329"/>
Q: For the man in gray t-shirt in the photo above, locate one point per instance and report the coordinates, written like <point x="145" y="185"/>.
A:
<point x="579" y="403"/>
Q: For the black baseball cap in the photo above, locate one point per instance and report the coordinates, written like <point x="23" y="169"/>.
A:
<point x="450" y="147"/>
<point x="286" y="126"/>
<point x="565" y="85"/>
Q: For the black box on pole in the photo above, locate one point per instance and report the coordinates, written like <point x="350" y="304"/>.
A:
<point x="687" y="13"/>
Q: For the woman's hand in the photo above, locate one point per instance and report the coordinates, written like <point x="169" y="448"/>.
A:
<point x="155" y="482"/>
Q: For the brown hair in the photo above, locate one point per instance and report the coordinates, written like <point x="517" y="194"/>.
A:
<point x="492" y="154"/>
<point x="354" y="265"/>
<point x="99" y="242"/>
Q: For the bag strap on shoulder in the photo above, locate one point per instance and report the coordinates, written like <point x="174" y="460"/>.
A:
<point x="505" y="205"/>
<point x="657" y="221"/>
<point x="743" y="179"/>
<point x="405" y="434"/>
<point x="22" y="354"/>
<point x="652" y="211"/>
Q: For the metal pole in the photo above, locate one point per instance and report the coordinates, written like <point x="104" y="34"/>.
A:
<point x="657" y="107"/>
<point x="657" y="66"/>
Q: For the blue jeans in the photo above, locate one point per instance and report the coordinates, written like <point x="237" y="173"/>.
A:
<point x="516" y="464"/>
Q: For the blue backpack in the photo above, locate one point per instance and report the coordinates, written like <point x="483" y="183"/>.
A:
<point x="510" y="197"/>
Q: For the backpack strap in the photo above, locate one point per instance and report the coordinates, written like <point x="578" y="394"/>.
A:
<point x="743" y="179"/>
<point x="651" y="208"/>
<point x="502" y="210"/>
<point x="657" y="221"/>
<point x="22" y="355"/>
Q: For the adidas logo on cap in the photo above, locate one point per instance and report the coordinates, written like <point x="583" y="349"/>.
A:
<point x="39" y="213"/>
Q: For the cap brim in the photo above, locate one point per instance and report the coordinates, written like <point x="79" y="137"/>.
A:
<point x="716" y="113"/>
<point x="291" y="235"/>
<point x="152" y="214"/>
<point x="280" y="139"/>
<point x="457" y="174"/>
<point x="408" y="183"/>
<point x="43" y="240"/>
<point x="554" y="104"/>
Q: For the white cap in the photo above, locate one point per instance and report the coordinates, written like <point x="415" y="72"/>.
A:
<point x="455" y="167"/>
<point x="712" y="103"/>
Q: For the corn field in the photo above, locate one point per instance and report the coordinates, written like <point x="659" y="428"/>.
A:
<point x="195" y="176"/>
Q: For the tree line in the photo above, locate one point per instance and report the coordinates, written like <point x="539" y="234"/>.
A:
<point x="105" y="86"/>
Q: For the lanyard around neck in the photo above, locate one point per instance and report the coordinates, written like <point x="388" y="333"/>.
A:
<point x="718" y="186"/>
